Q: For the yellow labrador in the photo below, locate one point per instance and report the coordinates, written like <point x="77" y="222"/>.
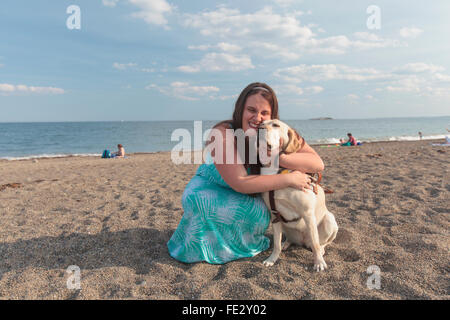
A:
<point x="305" y="219"/>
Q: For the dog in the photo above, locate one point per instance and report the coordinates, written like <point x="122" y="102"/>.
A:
<point x="302" y="216"/>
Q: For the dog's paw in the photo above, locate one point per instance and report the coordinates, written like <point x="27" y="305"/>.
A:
<point x="320" y="265"/>
<point x="268" y="262"/>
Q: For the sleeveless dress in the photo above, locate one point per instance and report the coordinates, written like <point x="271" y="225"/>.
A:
<point x="219" y="224"/>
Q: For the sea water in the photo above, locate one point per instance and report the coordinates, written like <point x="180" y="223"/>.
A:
<point x="55" y="139"/>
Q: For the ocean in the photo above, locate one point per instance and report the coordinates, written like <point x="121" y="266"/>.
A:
<point x="57" y="139"/>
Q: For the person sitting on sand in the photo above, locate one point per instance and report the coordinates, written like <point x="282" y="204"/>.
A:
<point x="351" y="141"/>
<point x="120" y="153"/>
<point x="223" y="218"/>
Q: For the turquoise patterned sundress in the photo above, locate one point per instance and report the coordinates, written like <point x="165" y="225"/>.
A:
<point x="219" y="224"/>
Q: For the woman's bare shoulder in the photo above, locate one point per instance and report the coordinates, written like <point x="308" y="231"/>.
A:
<point x="220" y="130"/>
<point x="223" y="125"/>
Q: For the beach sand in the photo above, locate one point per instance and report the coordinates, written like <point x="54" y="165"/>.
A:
<point x="113" y="217"/>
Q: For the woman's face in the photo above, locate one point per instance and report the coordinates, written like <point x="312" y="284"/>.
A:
<point x="256" y="110"/>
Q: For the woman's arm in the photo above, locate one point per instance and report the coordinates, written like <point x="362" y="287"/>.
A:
<point x="237" y="178"/>
<point x="305" y="160"/>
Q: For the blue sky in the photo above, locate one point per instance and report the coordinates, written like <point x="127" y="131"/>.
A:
<point x="175" y="60"/>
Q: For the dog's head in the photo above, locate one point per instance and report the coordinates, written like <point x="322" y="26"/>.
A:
<point x="278" y="135"/>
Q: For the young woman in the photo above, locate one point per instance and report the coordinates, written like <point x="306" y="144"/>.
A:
<point x="221" y="221"/>
<point x="350" y="142"/>
<point x="120" y="151"/>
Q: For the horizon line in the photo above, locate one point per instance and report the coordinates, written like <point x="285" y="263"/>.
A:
<point x="188" y="120"/>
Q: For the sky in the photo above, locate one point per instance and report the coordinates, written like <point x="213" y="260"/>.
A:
<point x="132" y="60"/>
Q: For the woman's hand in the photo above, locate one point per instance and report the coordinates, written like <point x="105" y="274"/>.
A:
<point x="299" y="180"/>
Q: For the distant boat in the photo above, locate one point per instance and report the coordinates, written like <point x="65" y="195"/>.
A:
<point x="322" y="118"/>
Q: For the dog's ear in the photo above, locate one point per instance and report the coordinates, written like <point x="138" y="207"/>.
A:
<point x="294" y="143"/>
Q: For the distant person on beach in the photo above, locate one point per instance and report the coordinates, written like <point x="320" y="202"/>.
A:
<point x="350" y="142"/>
<point x="420" y="135"/>
<point x="225" y="217"/>
<point x="120" y="153"/>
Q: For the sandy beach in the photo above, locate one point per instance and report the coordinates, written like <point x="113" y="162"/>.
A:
<point x="113" y="217"/>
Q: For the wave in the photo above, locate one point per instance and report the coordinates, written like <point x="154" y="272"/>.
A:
<point x="380" y="139"/>
<point x="40" y="156"/>
<point x="415" y="138"/>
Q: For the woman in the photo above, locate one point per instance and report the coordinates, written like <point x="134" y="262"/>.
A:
<point x="120" y="152"/>
<point x="350" y="142"/>
<point x="221" y="221"/>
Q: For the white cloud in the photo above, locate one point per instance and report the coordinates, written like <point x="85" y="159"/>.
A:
<point x="228" y="47"/>
<point x="325" y="72"/>
<point x="419" y="78"/>
<point x="224" y="46"/>
<point x="189" y="69"/>
<point x="274" y="50"/>
<point x="314" y="89"/>
<point x="367" y="36"/>
<point x="234" y="96"/>
<point x="293" y="89"/>
<point x="224" y="23"/>
<point x="441" y="77"/>
<point x="123" y="66"/>
<point x="131" y="65"/>
<point x="152" y="11"/>
<point x="419" y="67"/>
<point x="284" y="37"/>
<point x="6" y="88"/>
<point x="219" y="62"/>
<point x="289" y="88"/>
<point x="183" y="90"/>
<point x="342" y="44"/>
<point x="286" y="3"/>
<point x="110" y="3"/>
<point x="411" y="83"/>
<point x="410" y="32"/>
<point x="436" y="91"/>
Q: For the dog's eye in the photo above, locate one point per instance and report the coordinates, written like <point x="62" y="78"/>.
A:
<point x="276" y="125"/>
